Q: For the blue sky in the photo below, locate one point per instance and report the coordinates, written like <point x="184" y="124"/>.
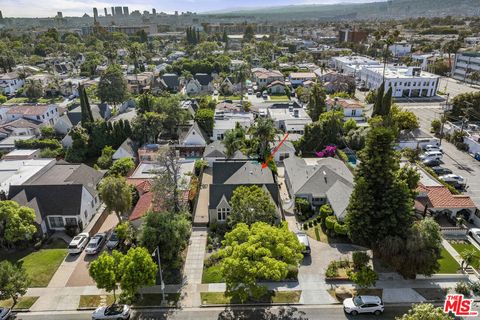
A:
<point x="48" y="8"/>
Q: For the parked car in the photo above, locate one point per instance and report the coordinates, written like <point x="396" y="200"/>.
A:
<point x="250" y="91"/>
<point x="96" y="243"/>
<point x="477" y="156"/>
<point x="264" y="94"/>
<point x="431" y="155"/>
<point x="5" y="313"/>
<point x="431" y="147"/>
<point x="363" y="304"/>
<point x="259" y="94"/>
<point x="78" y="243"/>
<point x="115" y="311"/>
<point x="431" y="162"/>
<point x="453" y="179"/>
<point x="228" y="101"/>
<point x="303" y="239"/>
<point x="440" y="171"/>
<point x="475" y="234"/>
<point x="113" y="241"/>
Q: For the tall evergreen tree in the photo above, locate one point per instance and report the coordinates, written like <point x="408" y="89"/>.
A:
<point x="87" y="116"/>
<point x="381" y="203"/>
<point x="377" y="106"/>
<point x="386" y="103"/>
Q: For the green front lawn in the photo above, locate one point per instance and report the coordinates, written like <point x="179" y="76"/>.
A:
<point x="212" y="275"/>
<point x="463" y="246"/>
<point x="447" y="263"/>
<point x="282" y="97"/>
<point x="40" y="265"/>
<point x="271" y="297"/>
<point x="229" y="98"/>
<point x="93" y="301"/>
<point x="22" y="303"/>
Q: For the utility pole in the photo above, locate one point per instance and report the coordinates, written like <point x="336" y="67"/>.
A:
<point x="443" y="120"/>
<point x="162" y="284"/>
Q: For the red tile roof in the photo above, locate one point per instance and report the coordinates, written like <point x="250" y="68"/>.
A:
<point x="143" y="205"/>
<point x="142" y="185"/>
<point x="441" y="197"/>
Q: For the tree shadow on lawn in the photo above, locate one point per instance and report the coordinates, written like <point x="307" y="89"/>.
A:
<point x="283" y="313"/>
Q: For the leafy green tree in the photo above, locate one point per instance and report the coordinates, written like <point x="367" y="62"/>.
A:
<point x="415" y="252"/>
<point x="14" y="281"/>
<point x="316" y="101"/>
<point x="404" y="119"/>
<point x="234" y="140"/>
<point x="106" y="272"/>
<point x="115" y="192"/>
<point x="249" y="33"/>
<point x="121" y="167"/>
<point x="469" y="257"/>
<point x="326" y="131"/>
<point x="3" y="99"/>
<point x="48" y="132"/>
<point x="147" y="127"/>
<point x="138" y="270"/>
<point x="17" y="223"/>
<point x="125" y="231"/>
<point x="349" y="125"/>
<point x="256" y="253"/>
<point x="77" y="153"/>
<point x="425" y="311"/>
<point x="365" y="277"/>
<point x="33" y="89"/>
<point x="436" y="126"/>
<point x="205" y="119"/>
<point x="251" y="204"/>
<point x="112" y="87"/>
<point x="167" y="230"/>
<point x="105" y="160"/>
<point x="381" y="204"/>
<point x="145" y="103"/>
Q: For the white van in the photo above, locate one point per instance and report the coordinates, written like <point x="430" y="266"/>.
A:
<point x="303" y="239"/>
<point x="429" y="155"/>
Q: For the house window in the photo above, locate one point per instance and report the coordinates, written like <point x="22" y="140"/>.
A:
<point x="38" y="117"/>
<point x="56" y="222"/>
<point x="71" y="222"/>
<point x="85" y="214"/>
<point x="222" y="213"/>
<point x="354" y="112"/>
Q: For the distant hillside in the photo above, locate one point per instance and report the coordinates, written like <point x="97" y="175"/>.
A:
<point x="393" y="9"/>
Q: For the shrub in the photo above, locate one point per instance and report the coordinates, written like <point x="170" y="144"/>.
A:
<point x="360" y="259"/>
<point x="305" y="226"/>
<point x="332" y="270"/>
<point x="330" y="222"/>
<point x="340" y="229"/>
<point x="315" y="222"/>
<point x="475" y="287"/>
<point x="325" y="211"/>
<point x="302" y="205"/>
<point x="210" y="247"/>
<point x="436" y="125"/>
<point x="463" y="288"/>
<point x="71" y="231"/>
<point x="199" y="166"/>
<point x="319" y="219"/>
<point x="38" y="144"/>
<point x="292" y="272"/>
<point x="310" y="224"/>
<point x="121" y="167"/>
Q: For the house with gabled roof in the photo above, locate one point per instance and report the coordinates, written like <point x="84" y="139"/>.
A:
<point x="192" y="140"/>
<point x="216" y="151"/>
<point x="63" y="195"/>
<point x="128" y="149"/>
<point x="229" y="175"/>
<point x="320" y="181"/>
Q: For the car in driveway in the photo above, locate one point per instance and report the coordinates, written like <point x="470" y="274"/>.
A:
<point x="431" y="147"/>
<point x="431" y="155"/>
<point x="453" y="179"/>
<point x="113" y="241"/>
<point x="475" y="234"/>
<point x="96" y="243"/>
<point x="78" y="243"/>
<point x="303" y="239"/>
<point x="115" y="311"/>
<point x="431" y="162"/>
<point x="363" y="304"/>
<point x="5" y="313"/>
<point x="440" y="171"/>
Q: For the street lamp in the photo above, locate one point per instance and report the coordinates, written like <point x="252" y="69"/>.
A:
<point x="162" y="284"/>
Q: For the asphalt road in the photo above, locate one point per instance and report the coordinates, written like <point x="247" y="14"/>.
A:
<point x="273" y="313"/>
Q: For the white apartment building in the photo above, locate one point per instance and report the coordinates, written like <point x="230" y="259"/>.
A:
<point x="41" y="114"/>
<point x="409" y="82"/>
<point x="466" y="64"/>
<point x="400" y="49"/>
<point x="352" y="65"/>
<point x="10" y="83"/>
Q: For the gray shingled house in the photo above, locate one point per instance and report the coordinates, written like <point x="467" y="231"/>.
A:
<point x="320" y="181"/>
<point x="229" y="175"/>
<point x="62" y="195"/>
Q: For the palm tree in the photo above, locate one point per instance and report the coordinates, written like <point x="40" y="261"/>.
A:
<point x="264" y="132"/>
<point x="468" y="256"/>
<point x="234" y="140"/>
<point x="450" y="48"/>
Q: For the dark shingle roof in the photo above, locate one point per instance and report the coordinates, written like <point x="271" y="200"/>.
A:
<point x="171" y="80"/>
<point x="203" y="78"/>
<point x="215" y="149"/>
<point x="129" y="146"/>
<point x="229" y="175"/>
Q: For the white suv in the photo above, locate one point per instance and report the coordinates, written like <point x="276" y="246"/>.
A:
<point x="363" y="304"/>
<point x="78" y="243"/>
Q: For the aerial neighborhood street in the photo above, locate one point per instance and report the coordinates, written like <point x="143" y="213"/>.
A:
<point x="199" y="161"/>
